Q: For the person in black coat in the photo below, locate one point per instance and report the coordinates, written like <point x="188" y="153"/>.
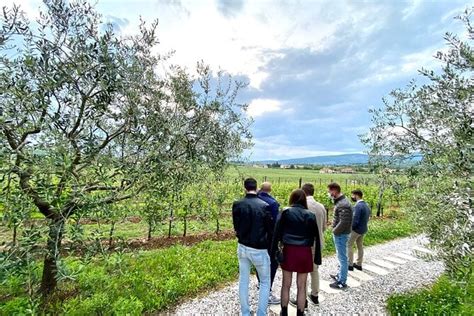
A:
<point x="297" y="230"/>
<point x="253" y="225"/>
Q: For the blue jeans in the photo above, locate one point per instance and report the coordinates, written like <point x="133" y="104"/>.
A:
<point x="340" y="241"/>
<point x="261" y="260"/>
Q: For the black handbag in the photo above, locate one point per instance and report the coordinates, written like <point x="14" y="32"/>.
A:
<point x="279" y="257"/>
<point x="279" y="254"/>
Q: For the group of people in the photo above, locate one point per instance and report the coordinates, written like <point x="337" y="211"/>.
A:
<point x="293" y="239"/>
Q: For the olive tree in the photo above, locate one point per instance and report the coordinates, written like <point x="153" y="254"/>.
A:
<point x="435" y="121"/>
<point x="87" y="120"/>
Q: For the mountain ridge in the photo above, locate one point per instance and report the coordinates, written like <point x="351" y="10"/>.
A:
<point x="343" y="159"/>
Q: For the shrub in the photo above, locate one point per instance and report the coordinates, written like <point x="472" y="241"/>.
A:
<point x="443" y="298"/>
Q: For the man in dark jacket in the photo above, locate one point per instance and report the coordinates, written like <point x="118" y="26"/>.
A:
<point x="264" y="194"/>
<point x="342" y="226"/>
<point x="253" y="227"/>
<point x="359" y="229"/>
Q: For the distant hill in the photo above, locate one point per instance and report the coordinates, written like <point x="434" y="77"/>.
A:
<point x="334" y="160"/>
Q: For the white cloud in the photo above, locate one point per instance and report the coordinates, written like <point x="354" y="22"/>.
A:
<point x="258" y="107"/>
<point x="278" y="147"/>
<point x="411" y="9"/>
<point x="415" y="61"/>
<point x="29" y="7"/>
<point x="409" y="64"/>
<point x="243" y="44"/>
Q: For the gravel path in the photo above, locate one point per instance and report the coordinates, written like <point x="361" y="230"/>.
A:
<point x="404" y="263"/>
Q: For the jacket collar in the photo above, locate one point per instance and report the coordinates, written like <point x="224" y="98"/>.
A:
<point x="264" y="194"/>
<point x="342" y="197"/>
<point x="298" y="205"/>
<point x="250" y="195"/>
<point x="359" y="201"/>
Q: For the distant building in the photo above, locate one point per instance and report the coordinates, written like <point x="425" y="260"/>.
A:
<point x="347" y="170"/>
<point x="285" y="166"/>
<point x="388" y="170"/>
<point x="326" y="170"/>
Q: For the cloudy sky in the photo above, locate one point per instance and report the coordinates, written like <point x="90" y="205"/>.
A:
<point x="314" y="67"/>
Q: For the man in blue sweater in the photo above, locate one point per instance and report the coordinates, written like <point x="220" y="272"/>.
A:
<point x="359" y="229"/>
<point x="274" y="206"/>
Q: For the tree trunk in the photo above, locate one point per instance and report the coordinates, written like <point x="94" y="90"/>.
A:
<point x="150" y="228"/>
<point x="111" y="234"/>
<point x="218" y="226"/>
<point x="170" y="223"/>
<point x="50" y="268"/>
<point x="380" y="198"/>
<point x="185" y="223"/>
<point x="15" y="229"/>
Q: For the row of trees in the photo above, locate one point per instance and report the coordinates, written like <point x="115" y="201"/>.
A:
<point x="207" y="202"/>
<point x="88" y="121"/>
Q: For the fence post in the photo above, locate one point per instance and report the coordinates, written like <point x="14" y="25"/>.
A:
<point x="301" y="180"/>
<point x="265" y="179"/>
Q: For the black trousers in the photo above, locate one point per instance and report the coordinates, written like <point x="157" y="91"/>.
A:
<point x="273" y="269"/>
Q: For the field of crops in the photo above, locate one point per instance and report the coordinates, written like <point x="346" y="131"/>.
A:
<point x="201" y="208"/>
<point x="278" y="175"/>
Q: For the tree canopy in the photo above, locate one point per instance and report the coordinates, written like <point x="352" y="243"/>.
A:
<point x="435" y="121"/>
<point x="87" y="120"/>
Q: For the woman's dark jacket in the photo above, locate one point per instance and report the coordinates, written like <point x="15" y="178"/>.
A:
<point x="298" y="227"/>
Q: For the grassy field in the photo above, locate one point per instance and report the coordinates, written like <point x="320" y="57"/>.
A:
<point x="154" y="280"/>
<point x="276" y="175"/>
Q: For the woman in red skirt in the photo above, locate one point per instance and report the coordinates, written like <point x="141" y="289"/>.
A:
<point x="297" y="231"/>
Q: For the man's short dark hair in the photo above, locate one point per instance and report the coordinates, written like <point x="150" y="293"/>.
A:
<point x="250" y="184"/>
<point x="334" y="186"/>
<point x="357" y="192"/>
<point x="308" y="189"/>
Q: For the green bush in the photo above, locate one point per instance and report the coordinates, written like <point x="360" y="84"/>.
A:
<point x="19" y="306"/>
<point x="443" y="298"/>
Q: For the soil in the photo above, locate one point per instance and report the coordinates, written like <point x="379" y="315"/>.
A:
<point x="164" y="242"/>
<point x="153" y="243"/>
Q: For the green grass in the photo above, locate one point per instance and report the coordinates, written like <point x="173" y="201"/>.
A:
<point x="150" y="281"/>
<point x="443" y="298"/>
<point x="293" y="175"/>
<point x="153" y="280"/>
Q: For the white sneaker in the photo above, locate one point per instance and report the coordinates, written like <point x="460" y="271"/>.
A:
<point x="273" y="300"/>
